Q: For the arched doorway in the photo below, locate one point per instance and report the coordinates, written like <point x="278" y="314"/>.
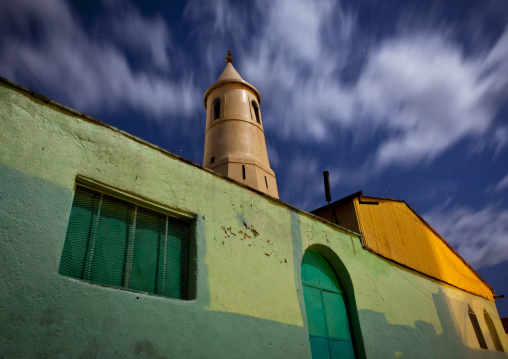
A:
<point x="330" y="333"/>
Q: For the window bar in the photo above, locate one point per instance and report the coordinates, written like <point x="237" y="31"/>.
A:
<point x="165" y="250"/>
<point x="130" y="251"/>
<point x="94" y="238"/>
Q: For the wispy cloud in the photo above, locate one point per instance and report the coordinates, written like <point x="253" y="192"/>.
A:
<point x="503" y="184"/>
<point x="479" y="235"/>
<point x="417" y="85"/>
<point x="145" y="36"/>
<point x="87" y="73"/>
<point x="295" y="63"/>
<point x="217" y="25"/>
<point x="427" y="93"/>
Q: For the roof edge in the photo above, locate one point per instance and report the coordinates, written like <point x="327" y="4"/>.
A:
<point x="339" y="201"/>
<point x="426" y="275"/>
<point x="91" y="119"/>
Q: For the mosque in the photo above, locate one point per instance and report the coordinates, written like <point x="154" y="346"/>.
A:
<point x="112" y="247"/>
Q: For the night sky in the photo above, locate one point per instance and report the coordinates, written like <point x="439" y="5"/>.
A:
<point x="400" y="99"/>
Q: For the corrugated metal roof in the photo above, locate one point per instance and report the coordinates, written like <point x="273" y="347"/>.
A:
<point x="392" y="229"/>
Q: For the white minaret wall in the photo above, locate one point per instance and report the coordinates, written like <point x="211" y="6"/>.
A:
<point x="235" y="143"/>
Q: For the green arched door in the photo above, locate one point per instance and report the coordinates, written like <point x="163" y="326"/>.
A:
<point x="330" y="333"/>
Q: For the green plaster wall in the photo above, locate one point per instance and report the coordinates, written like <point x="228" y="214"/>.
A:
<point x="249" y="248"/>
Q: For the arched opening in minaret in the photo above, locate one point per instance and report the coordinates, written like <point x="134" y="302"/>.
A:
<point x="216" y="108"/>
<point x="255" y="106"/>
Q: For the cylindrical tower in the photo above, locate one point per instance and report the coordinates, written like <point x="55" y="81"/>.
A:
<point x="235" y="143"/>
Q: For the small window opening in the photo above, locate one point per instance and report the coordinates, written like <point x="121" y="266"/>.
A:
<point x="216" y="108"/>
<point x="212" y="160"/>
<point x="256" y="110"/>
<point x="493" y="332"/>
<point x="243" y="171"/>
<point x="477" y="329"/>
<point x="266" y="181"/>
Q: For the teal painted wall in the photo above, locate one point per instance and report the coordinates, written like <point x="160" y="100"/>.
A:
<point x="249" y="248"/>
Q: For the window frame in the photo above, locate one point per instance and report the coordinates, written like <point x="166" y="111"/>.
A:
<point x="216" y="105"/>
<point x="257" y="111"/>
<point x="140" y="202"/>
<point x="476" y="327"/>
<point x="493" y="332"/>
<point x="134" y="199"/>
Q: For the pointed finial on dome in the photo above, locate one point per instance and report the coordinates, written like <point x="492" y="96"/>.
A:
<point x="229" y="57"/>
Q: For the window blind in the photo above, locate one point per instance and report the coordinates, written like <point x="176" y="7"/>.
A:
<point x="117" y="243"/>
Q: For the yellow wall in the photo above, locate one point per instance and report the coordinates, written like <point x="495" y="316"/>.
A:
<point x="393" y="230"/>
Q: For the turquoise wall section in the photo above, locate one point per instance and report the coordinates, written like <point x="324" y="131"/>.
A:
<point x="248" y="251"/>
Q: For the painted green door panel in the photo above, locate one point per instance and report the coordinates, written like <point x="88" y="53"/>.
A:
<point x="315" y="315"/>
<point x="310" y="271"/>
<point x="317" y="272"/>
<point x="319" y="347"/>
<point x="336" y="316"/>
<point x="327" y="278"/>
<point x="327" y="314"/>
<point x="340" y="349"/>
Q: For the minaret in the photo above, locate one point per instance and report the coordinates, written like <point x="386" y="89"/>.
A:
<point x="235" y="143"/>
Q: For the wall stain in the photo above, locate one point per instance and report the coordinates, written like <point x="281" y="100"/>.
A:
<point x="228" y="231"/>
<point x="94" y="345"/>
<point x="50" y="317"/>
<point x="19" y="315"/>
<point x="247" y="233"/>
<point x="109" y="323"/>
<point x="146" y="347"/>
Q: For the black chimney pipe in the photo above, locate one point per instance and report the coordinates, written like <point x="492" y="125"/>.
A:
<point x="328" y="194"/>
<point x="326" y="178"/>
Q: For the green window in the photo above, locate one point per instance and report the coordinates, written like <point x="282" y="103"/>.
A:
<point x="117" y="243"/>
<point x="328" y="319"/>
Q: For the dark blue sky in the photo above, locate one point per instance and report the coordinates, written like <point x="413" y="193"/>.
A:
<point x="400" y="99"/>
